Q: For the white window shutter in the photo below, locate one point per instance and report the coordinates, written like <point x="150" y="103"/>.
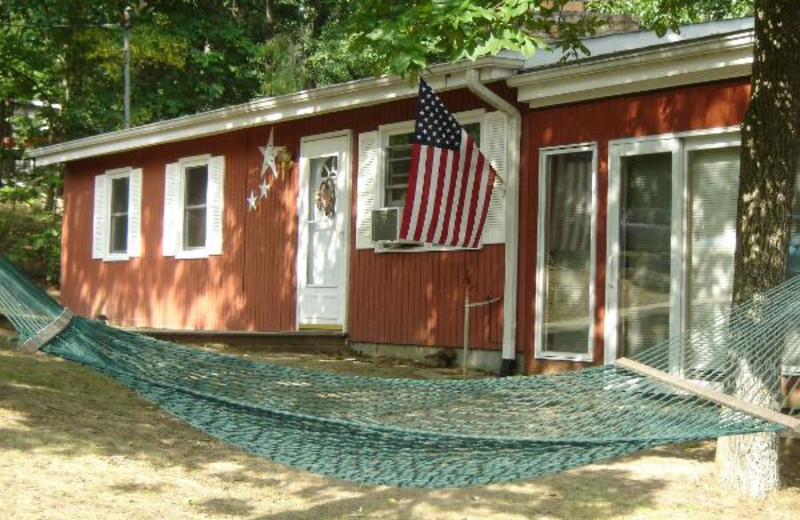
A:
<point x="368" y="156"/>
<point x="494" y="145"/>
<point x="100" y="228"/>
<point x="216" y="203"/>
<point x="173" y="220"/>
<point x="135" y="214"/>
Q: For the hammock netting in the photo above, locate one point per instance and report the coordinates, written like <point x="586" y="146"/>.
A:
<point x="437" y="433"/>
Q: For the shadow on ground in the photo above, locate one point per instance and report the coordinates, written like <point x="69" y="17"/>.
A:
<point x="67" y="411"/>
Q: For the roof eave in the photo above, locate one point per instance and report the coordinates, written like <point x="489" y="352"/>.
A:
<point x="354" y="94"/>
<point x="714" y="58"/>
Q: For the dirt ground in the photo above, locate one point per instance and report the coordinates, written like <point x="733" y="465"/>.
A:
<point x="76" y="445"/>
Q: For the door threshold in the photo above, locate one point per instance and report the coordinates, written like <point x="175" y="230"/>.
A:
<point x="320" y="326"/>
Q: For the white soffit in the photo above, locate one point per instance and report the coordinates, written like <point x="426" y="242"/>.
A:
<point x="359" y="93"/>
<point x="668" y="65"/>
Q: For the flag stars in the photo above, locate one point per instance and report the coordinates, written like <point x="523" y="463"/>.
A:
<point x="435" y="125"/>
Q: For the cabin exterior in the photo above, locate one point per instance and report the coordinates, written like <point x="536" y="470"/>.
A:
<point x="615" y="227"/>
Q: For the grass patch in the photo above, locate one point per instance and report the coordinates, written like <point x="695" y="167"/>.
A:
<point x="75" y="444"/>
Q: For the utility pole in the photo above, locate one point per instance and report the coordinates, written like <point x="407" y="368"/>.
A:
<point x="126" y="53"/>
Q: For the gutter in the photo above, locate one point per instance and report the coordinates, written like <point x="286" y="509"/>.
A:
<point x="514" y="135"/>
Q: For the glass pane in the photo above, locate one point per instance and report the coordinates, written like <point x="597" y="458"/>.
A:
<point x="713" y="190"/>
<point x="322" y="256"/>
<point x="644" y="252"/>
<point x="567" y="319"/>
<point x="474" y="131"/>
<point x="119" y="195"/>
<point x="194" y="230"/>
<point x="196" y="185"/>
<point x="322" y="203"/>
<point x="119" y="234"/>
<point x="400" y="140"/>
<point x="398" y="166"/>
<point x="792" y="353"/>
<point x="118" y="239"/>
<point x="794" y="241"/>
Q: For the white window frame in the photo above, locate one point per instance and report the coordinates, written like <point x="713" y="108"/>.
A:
<point x="679" y="144"/>
<point x="405" y="127"/>
<point x="539" y="352"/>
<point x="111" y="175"/>
<point x="101" y="217"/>
<point x="183" y="165"/>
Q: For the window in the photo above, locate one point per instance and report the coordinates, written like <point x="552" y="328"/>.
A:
<point x="384" y="164"/>
<point x="565" y="274"/>
<point x="118" y="214"/>
<point x="193" y="207"/>
<point x="117" y="211"/>
<point x="397" y="164"/>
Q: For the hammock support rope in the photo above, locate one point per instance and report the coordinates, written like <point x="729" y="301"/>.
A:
<point x="442" y="433"/>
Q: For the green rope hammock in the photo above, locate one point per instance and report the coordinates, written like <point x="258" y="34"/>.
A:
<point x="431" y="434"/>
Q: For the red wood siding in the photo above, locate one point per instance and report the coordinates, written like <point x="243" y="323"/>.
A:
<point x="677" y="110"/>
<point x="409" y="298"/>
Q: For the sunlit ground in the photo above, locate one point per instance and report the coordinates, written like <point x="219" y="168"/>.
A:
<point x="75" y="445"/>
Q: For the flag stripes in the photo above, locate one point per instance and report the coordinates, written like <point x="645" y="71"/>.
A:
<point x="449" y="195"/>
<point x="450" y="182"/>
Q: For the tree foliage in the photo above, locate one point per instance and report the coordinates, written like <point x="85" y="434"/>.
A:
<point x="62" y="68"/>
<point x="662" y="15"/>
<point x="187" y="56"/>
<point x="405" y="37"/>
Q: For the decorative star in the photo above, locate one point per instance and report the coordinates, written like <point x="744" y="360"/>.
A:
<point x="251" y="201"/>
<point x="264" y="187"/>
<point x="269" y="154"/>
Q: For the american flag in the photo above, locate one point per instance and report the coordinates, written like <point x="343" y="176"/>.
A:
<point x="450" y="183"/>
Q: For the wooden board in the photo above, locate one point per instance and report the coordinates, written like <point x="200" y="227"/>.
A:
<point x="50" y="331"/>
<point x="712" y="395"/>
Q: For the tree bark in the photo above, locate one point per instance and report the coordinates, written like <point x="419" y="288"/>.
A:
<point x="769" y="160"/>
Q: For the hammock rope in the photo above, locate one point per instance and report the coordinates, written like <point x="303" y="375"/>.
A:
<point x="438" y="433"/>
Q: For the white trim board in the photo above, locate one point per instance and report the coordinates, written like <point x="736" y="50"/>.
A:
<point x="664" y="66"/>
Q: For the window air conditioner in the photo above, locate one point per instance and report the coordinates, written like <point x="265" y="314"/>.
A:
<point x="386" y="228"/>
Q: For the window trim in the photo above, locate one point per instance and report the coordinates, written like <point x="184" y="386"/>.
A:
<point x="404" y="127"/>
<point x="111" y="175"/>
<point x="184" y="164"/>
<point x="538" y="330"/>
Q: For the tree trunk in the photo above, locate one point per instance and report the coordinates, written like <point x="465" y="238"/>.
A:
<point x="769" y="157"/>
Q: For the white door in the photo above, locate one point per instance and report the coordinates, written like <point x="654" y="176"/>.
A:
<point x="671" y="241"/>
<point x="323" y="221"/>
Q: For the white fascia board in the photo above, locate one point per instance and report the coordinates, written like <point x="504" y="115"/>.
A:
<point x="724" y="57"/>
<point x="359" y="93"/>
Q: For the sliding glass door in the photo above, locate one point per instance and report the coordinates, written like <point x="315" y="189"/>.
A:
<point x="671" y="240"/>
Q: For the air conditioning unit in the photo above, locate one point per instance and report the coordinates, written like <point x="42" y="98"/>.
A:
<point x="386" y="228"/>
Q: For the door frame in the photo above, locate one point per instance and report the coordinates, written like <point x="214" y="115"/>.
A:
<point x="346" y="213"/>
<point x="679" y="144"/>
